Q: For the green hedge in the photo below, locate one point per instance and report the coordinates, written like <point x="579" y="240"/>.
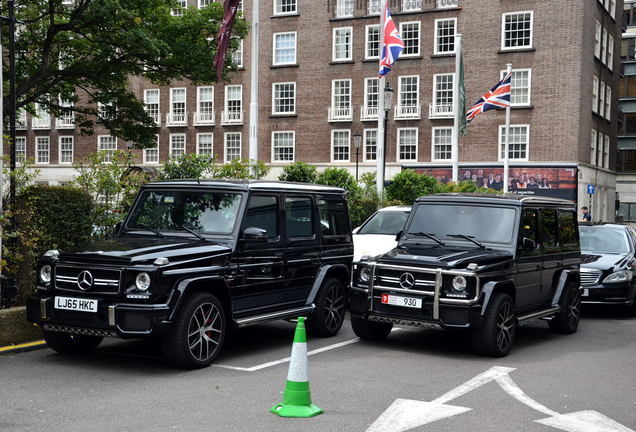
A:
<point x="50" y="217"/>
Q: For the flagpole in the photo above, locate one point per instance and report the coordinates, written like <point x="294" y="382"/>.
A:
<point x="507" y="140"/>
<point x="381" y="145"/>
<point x="253" y="147"/>
<point x="455" y="143"/>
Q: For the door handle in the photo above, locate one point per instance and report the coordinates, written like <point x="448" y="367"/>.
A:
<point x="538" y="268"/>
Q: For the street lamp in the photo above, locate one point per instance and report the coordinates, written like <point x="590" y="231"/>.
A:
<point x="388" y="100"/>
<point x="356" y="142"/>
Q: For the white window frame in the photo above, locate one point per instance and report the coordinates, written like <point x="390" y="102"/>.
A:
<point x="372" y="41"/>
<point x="182" y="5"/>
<point x="436" y="143"/>
<point x="601" y="100"/>
<point x="151" y="155"/>
<point x="595" y="94"/>
<point x="277" y="138"/>
<point x="417" y="45"/>
<point x="341" y="111"/>
<point x="205" y="105"/>
<point x="233" y="112"/>
<point x="20" y="149"/>
<point x="404" y="110"/>
<point x="400" y="144"/>
<point x="604" y="47"/>
<point x="65" y="152"/>
<point x="608" y="103"/>
<point x="593" y="149"/>
<point x="237" y="56"/>
<point x="344" y="8"/>
<point x="175" y="149"/>
<point x="346" y="146"/>
<point x="202" y="138"/>
<point x="290" y="5"/>
<point x="148" y="94"/>
<point x="176" y="102"/>
<point x="502" y="135"/>
<point x="443" y="105"/>
<point x="368" y="137"/>
<point x="612" y="8"/>
<point x="438" y="37"/>
<point x="204" y="3"/>
<point x="226" y="135"/>
<point x="516" y="85"/>
<point x="276" y="90"/>
<point x="606" y="148"/>
<point x="42" y="154"/>
<point x="597" y="39"/>
<point x="503" y="30"/>
<point x="104" y="143"/>
<point x="610" y="52"/>
<point x="371" y="107"/>
<point x="288" y="54"/>
<point x="348" y="45"/>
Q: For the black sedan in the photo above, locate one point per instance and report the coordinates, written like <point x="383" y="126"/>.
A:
<point x="608" y="265"/>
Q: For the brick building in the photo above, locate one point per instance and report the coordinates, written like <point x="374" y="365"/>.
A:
<point x="318" y="86"/>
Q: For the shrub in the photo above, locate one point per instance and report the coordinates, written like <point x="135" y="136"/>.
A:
<point x="300" y="172"/>
<point x="188" y="167"/>
<point x="240" y="169"/>
<point x="408" y="185"/>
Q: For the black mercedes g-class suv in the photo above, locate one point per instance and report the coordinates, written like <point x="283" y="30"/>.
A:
<point x="196" y="256"/>
<point x="476" y="262"/>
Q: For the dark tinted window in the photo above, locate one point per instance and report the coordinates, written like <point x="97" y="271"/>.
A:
<point x="298" y="217"/>
<point x="262" y="212"/>
<point x="528" y="230"/>
<point x="334" y="217"/>
<point x="567" y="230"/>
<point x="549" y="230"/>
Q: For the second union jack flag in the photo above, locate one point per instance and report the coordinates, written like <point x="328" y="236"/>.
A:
<point x="393" y="44"/>
<point x="498" y="97"/>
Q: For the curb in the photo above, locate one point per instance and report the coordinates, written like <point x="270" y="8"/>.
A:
<point x="21" y="348"/>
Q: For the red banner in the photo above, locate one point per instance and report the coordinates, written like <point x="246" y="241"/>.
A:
<point x="225" y="32"/>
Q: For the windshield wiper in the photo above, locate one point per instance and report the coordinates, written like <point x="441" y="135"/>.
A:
<point x="149" y="229"/>
<point x="431" y="236"/>
<point x="192" y="232"/>
<point x="469" y="238"/>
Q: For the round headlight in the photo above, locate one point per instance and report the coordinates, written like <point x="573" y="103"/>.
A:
<point x="142" y="281"/>
<point x="459" y="283"/>
<point x="45" y="273"/>
<point x="365" y="274"/>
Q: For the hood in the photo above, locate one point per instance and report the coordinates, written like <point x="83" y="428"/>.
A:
<point x="449" y="257"/>
<point x="599" y="261"/>
<point x="372" y="244"/>
<point x="135" y="250"/>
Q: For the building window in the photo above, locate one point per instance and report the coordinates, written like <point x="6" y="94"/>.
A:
<point x="177" y="146"/>
<point x="282" y="7"/>
<point x="233" y="103"/>
<point x="597" y="40"/>
<point x="445" y="36"/>
<point x="372" y="38"/>
<point x="410" y="32"/>
<point x="182" y="4"/>
<point x="204" y="144"/>
<point x="604" y="47"/>
<point x="519" y="86"/>
<point x="608" y="102"/>
<point x="232" y="146"/>
<point x="408" y="97"/>
<point x="66" y="149"/>
<point x="443" y="94"/>
<point x="42" y="150"/>
<point x="283" y="146"/>
<point x="370" y="145"/>
<point x="517" y="30"/>
<point x="442" y="144"/>
<point x="340" y="143"/>
<point x="284" y="48"/>
<point x="237" y="55"/>
<point x="517" y="144"/>
<point x="342" y="40"/>
<point x="178" y="101"/>
<point x="606" y="152"/>
<point x="340" y="100"/>
<point x="344" y="8"/>
<point x="151" y="155"/>
<point x="20" y="149"/>
<point x="593" y="147"/>
<point x="601" y="100"/>
<point x="610" y="52"/>
<point x="371" y="95"/>
<point x="151" y="99"/>
<point x="205" y="105"/>
<point x="407" y="145"/>
<point x="612" y="8"/>
<point x="595" y="94"/>
<point x="284" y="95"/>
<point x="107" y="144"/>
<point x="204" y="3"/>
<point x="105" y="111"/>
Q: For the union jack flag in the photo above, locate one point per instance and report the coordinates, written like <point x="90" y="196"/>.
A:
<point x="392" y="44"/>
<point x="498" y="97"/>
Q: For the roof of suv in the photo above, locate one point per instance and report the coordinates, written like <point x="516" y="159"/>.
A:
<point x="506" y="199"/>
<point x="246" y="185"/>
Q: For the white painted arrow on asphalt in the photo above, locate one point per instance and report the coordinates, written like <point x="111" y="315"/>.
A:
<point x="405" y="414"/>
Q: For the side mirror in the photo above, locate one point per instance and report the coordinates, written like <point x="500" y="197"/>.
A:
<point x="398" y="235"/>
<point x="355" y="230"/>
<point x="254" y="233"/>
<point x="529" y="244"/>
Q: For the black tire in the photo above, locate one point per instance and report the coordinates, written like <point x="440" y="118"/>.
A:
<point x="197" y="334"/>
<point x="65" y="343"/>
<point x="370" y="330"/>
<point x="496" y="334"/>
<point x="567" y="320"/>
<point x="331" y="301"/>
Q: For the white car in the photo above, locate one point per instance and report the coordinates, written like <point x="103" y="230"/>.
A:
<point x="377" y="234"/>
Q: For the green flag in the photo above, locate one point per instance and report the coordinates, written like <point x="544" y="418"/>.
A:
<point x="461" y="106"/>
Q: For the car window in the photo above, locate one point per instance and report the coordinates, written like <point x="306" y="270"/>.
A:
<point x="567" y="230"/>
<point x="549" y="230"/>
<point x="528" y="230"/>
<point x="298" y="217"/>
<point x="262" y="212"/>
<point x="597" y="239"/>
<point x="333" y="217"/>
<point x="385" y="222"/>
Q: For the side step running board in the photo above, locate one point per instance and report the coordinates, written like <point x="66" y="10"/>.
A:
<point x="539" y="314"/>
<point x="285" y="314"/>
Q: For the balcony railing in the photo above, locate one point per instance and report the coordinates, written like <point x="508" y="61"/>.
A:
<point x="180" y="119"/>
<point x="440" y="111"/>
<point x="367" y="113"/>
<point x="411" y="5"/>
<point x="407" y="112"/>
<point x="343" y="11"/>
<point x="156" y="117"/>
<point x="66" y="122"/>
<point x="232" y="117"/>
<point x="340" y="114"/>
<point x="41" y="123"/>
<point x="375" y="7"/>
<point x="204" y="118"/>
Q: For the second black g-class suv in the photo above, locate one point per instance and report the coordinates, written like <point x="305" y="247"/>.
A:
<point x="476" y="262"/>
<point x="195" y="257"/>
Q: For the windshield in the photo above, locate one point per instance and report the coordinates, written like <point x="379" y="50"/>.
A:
<point x="603" y="240"/>
<point x="484" y="224"/>
<point x="385" y="222"/>
<point x="199" y="211"/>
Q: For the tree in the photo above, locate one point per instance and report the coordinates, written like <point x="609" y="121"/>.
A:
<point x="300" y="172"/>
<point x="84" y="53"/>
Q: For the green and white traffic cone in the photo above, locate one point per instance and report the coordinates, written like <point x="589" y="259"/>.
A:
<point x="297" y="397"/>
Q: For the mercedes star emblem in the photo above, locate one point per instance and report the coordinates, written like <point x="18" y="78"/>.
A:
<point x="85" y="280"/>
<point x="407" y="280"/>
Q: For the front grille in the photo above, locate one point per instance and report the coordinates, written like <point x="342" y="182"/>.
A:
<point x="390" y="278"/>
<point x="88" y="319"/>
<point x="590" y="277"/>
<point x="91" y="280"/>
